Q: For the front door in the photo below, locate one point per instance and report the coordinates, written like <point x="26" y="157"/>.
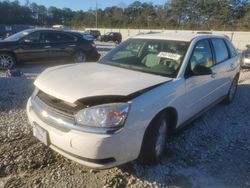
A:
<point x="31" y="48"/>
<point x="200" y="89"/>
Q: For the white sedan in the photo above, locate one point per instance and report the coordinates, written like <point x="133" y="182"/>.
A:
<point x="125" y="106"/>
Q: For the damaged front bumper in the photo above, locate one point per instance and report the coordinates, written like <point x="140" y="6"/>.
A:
<point x="99" y="151"/>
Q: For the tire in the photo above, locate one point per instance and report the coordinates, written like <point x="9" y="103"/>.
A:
<point x="154" y="140"/>
<point x="232" y="91"/>
<point x="79" y="57"/>
<point x="7" y="61"/>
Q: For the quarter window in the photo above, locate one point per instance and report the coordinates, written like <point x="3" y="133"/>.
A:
<point x="202" y="55"/>
<point x="221" y="51"/>
<point x="232" y="49"/>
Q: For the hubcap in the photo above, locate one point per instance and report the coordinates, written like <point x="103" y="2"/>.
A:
<point x="161" y="138"/>
<point x="232" y="90"/>
<point x="80" y="57"/>
<point x="6" y="61"/>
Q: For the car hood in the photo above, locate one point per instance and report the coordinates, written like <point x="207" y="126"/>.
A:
<point x="77" y="81"/>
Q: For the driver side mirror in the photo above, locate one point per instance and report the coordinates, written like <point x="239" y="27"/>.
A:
<point x="201" y="70"/>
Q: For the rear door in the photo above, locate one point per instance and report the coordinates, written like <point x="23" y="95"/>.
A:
<point x="59" y="44"/>
<point x="225" y="66"/>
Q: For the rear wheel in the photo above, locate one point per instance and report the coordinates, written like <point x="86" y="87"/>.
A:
<point x="154" y="141"/>
<point x="7" y="61"/>
<point x="232" y="90"/>
<point x="79" y="57"/>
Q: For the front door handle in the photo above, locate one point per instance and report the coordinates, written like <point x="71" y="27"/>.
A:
<point x="232" y="66"/>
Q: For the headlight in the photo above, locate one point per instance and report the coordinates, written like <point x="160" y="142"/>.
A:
<point x="103" y="116"/>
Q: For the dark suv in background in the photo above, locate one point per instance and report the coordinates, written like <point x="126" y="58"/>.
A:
<point x="112" y="36"/>
<point x="45" y="44"/>
<point x="95" y="33"/>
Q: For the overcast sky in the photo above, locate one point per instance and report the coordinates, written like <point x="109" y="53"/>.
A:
<point x="87" y="4"/>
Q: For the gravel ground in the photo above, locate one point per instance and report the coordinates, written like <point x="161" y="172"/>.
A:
<point x="214" y="151"/>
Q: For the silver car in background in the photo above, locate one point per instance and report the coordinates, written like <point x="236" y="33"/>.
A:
<point x="245" y="62"/>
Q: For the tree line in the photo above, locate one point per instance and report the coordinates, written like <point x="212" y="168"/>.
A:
<point x="174" y="14"/>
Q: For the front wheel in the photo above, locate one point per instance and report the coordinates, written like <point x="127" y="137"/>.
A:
<point x="7" y="61"/>
<point x="232" y="90"/>
<point x="154" y="141"/>
<point x="79" y="57"/>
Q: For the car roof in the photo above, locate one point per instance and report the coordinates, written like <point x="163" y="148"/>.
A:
<point x="45" y="29"/>
<point x="187" y="37"/>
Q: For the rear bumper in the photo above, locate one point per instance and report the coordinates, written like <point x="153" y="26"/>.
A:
<point x="99" y="151"/>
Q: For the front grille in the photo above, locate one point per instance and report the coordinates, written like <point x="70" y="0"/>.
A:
<point x="46" y="107"/>
<point x="58" y="105"/>
<point x="51" y="116"/>
<point x="49" y="110"/>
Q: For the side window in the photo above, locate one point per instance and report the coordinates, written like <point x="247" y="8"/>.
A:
<point x="231" y="48"/>
<point x="66" y="38"/>
<point x="221" y="51"/>
<point x="58" y="37"/>
<point x="33" y="37"/>
<point x="50" y="37"/>
<point x="202" y="55"/>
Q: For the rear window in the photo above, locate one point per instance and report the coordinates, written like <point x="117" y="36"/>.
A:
<point x="221" y="51"/>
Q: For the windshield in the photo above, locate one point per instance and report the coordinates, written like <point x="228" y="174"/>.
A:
<point x="17" y="36"/>
<point x="161" y="57"/>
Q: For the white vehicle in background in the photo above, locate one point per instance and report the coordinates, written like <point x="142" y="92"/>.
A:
<point x="245" y="62"/>
<point x="60" y="27"/>
<point x="125" y="106"/>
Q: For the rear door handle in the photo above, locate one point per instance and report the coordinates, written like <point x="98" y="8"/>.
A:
<point x="213" y="75"/>
<point x="47" y="46"/>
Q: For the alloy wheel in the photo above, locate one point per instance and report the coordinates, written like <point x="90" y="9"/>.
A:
<point x="6" y="61"/>
<point x="80" y="57"/>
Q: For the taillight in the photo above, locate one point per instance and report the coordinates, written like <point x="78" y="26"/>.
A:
<point x="93" y="45"/>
